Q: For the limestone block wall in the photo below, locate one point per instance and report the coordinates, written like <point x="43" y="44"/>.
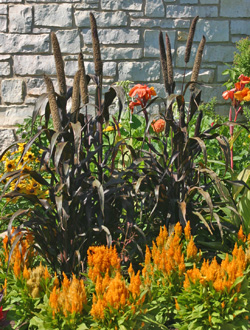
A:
<point x="128" y="32"/>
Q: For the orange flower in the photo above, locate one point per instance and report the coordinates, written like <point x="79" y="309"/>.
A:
<point x="26" y="273"/>
<point x="143" y="93"/>
<point x="187" y="231"/>
<point x="177" y="307"/>
<point x="191" y="249"/>
<point x="242" y="95"/>
<point x="101" y="259"/>
<point x="135" y="283"/>
<point x="158" y="125"/>
<point x="241" y="235"/>
<point x="46" y="273"/>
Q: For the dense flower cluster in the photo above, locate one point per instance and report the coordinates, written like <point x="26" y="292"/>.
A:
<point x="34" y="278"/>
<point x="222" y="276"/>
<point x="23" y="253"/>
<point x="70" y="298"/>
<point x="12" y="161"/>
<point x="167" y="269"/>
<point x="102" y="260"/>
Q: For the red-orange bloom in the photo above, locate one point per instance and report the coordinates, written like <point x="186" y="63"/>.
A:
<point x="229" y="94"/>
<point x="142" y="94"/>
<point x="244" y="79"/>
<point x="158" y="125"/>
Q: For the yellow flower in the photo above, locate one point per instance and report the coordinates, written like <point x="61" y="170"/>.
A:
<point x="111" y="128"/>
<point x="29" y="156"/>
<point x="21" y="146"/>
<point x="10" y="165"/>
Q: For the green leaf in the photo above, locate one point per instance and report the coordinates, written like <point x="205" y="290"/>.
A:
<point x="82" y="327"/>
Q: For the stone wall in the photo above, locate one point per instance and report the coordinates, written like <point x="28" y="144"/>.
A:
<point x="128" y="32"/>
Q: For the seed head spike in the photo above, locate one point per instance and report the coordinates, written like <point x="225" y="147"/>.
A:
<point x="163" y="62"/>
<point x="169" y="62"/>
<point x="83" y="80"/>
<point x="190" y="39"/>
<point x="59" y="65"/>
<point x="53" y="105"/>
<point x="96" y="46"/>
<point x="75" y="93"/>
<point x="197" y="62"/>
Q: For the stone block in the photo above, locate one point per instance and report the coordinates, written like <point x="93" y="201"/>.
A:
<point x="14" y="115"/>
<point x="30" y="100"/>
<point x="3" y="23"/>
<point x="35" y="86"/>
<point x="86" y="6"/>
<point x="189" y="2"/>
<point x="215" y="90"/>
<point x="109" y="68"/>
<point x="219" y="53"/>
<point x="112" y="53"/>
<point x="40" y="30"/>
<point x="69" y="41"/>
<point x="235" y="8"/>
<point x="136" y="14"/>
<point x="53" y="15"/>
<point x="151" y="44"/>
<point x="14" y="1"/>
<point x="53" y="1"/>
<point x="103" y="19"/>
<point x="113" y="36"/>
<point x="5" y="57"/>
<point x="181" y="53"/>
<point x="139" y="71"/>
<point x="211" y="54"/>
<point x="209" y="2"/>
<point x="214" y="31"/>
<point x="34" y="65"/>
<point x="205" y="76"/>
<point x="240" y="26"/>
<point x="6" y="138"/>
<point x="176" y="11"/>
<point x="3" y="9"/>
<point x="23" y="43"/>
<point x="160" y="89"/>
<point x="182" y="35"/>
<point x="4" y="68"/>
<point x="154" y="8"/>
<point x="121" y="4"/>
<point x="220" y="77"/>
<point x="20" y="19"/>
<point x="161" y="23"/>
<point x="12" y="90"/>
<point x="222" y="110"/>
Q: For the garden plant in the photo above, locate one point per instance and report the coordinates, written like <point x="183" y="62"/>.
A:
<point x="125" y="221"/>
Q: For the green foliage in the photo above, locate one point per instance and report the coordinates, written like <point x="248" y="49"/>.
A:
<point x="241" y="63"/>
